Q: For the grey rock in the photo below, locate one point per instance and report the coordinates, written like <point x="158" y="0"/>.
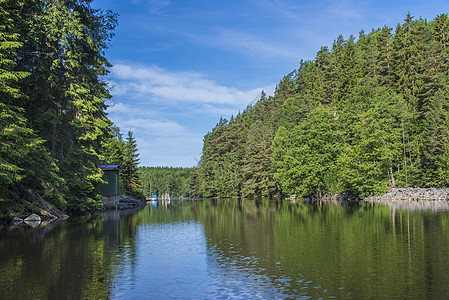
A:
<point x="32" y="223"/>
<point x="126" y="202"/>
<point x="16" y="220"/>
<point x="413" y="198"/>
<point x="33" y="218"/>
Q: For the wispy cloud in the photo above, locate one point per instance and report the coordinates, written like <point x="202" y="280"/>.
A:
<point x="154" y="126"/>
<point x="161" y="141"/>
<point x="159" y="85"/>
<point x="216" y="110"/>
<point x="153" y="6"/>
<point x="164" y="109"/>
<point x="127" y="109"/>
<point x="348" y="13"/>
<point x="255" y="45"/>
<point x="296" y="10"/>
<point x="348" y="9"/>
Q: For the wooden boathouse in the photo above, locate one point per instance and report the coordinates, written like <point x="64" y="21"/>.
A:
<point x="110" y="189"/>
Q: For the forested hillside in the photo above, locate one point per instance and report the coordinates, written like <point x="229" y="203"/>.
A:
<point x="367" y="114"/>
<point x="161" y="180"/>
<point x="53" y="125"/>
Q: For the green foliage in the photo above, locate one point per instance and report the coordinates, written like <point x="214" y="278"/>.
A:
<point x="53" y="124"/>
<point x="364" y="116"/>
<point x="125" y="154"/>
<point x="129" y="175"/>
<point x="25" y="165"/>
<point x="305" y="157"/>
<point x="236" y="154"/>
<point x="373" y="159"/>
<point x="435" y="162"/>
<point x="161" y="180"/>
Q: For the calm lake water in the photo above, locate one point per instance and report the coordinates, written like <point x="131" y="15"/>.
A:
<point x="244" y="249"/>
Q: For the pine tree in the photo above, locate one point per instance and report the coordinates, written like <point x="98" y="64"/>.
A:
<point x="435" y="164"/>
<point x="114" y="147"/>
<point x="66" y="95"/>
<point x="130" y="177"/>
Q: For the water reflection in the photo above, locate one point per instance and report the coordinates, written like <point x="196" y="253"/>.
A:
<point x="60" y="262"/>
<point x="231" y="248"/>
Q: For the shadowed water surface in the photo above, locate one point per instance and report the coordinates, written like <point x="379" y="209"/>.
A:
<point x="258" y="249"/>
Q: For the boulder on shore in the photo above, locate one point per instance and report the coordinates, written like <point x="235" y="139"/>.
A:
<point x="413" y="199"/>
<point x="33" y="218"/>
<point x="411" y="194"/>
<point x="16" y="221"/>
<point x="126" y="202"/>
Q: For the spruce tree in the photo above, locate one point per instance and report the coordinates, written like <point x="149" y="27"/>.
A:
<point x="64" y="48"/>
<point x="129" y="168"/>
<point x="27" y="172"/>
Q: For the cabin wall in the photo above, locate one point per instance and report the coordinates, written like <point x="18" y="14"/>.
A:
<point x="110" y="201"/>
<point x="110" y="190"/>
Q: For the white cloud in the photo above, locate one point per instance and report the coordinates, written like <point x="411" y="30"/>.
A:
<point x="161" y="142"/>
<point x="221" y="111"/>
<point x="169" y="112"/>
<point x="153" y="126"/>
<point x="122" y="108"/>
<point x="160" y="85"/>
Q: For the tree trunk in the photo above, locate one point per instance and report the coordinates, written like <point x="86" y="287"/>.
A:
<point x="392" y="182"/>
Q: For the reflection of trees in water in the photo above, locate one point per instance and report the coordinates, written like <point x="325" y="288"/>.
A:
<point x="361" y="251"/>
<point x="282" y="247"/>
<point x="65" y="262"/>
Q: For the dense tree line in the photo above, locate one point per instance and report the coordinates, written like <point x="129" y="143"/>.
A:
<point x="365" y="115"/>
<point x="53" y="126"/>
<point x="161" y="180"/>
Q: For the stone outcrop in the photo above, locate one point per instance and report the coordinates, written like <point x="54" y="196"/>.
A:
<point x="335" y="199"/>
<point x="16" y="220"/>
<point x="412" y="194"/>
<point x="126" y="202"/>
<point x="413" y="198"/>
<point x="408" y="198"/>
<point x="33" y="218"/>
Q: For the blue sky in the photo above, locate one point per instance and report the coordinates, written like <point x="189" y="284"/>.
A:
<point x="178" y="66"/>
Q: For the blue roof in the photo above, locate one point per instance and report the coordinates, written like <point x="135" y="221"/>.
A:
<point x="109" y="167"/>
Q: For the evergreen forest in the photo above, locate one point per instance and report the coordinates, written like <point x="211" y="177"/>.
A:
<point x="165" y="180"/>
<point x="53" y="126"/>
<point x="367" y="114"/>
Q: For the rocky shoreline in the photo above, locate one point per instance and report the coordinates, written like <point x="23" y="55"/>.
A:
<point x="411" y="194"/>
<point x="413" y="198"/>
<point x="404" y="198"/>
<point x="126" y="202"/>
<point x="46" y="213"/>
